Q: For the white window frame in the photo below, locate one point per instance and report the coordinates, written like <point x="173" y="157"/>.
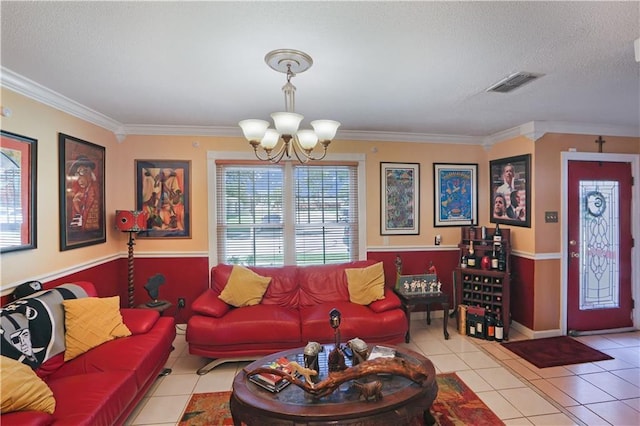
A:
<point x="212" y="221"/>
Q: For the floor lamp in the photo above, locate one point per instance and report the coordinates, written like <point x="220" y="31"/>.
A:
<point x="131" y="221"/>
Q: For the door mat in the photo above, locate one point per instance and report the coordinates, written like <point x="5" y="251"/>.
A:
<point x="555" y="351"/>
<point x="455" y="404"/>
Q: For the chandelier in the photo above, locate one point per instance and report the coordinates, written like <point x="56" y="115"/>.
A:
<point x="297" y="142"/>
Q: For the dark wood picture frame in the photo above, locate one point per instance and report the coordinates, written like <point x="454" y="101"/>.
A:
<point x="18" y="180"/>
<point x="515" y="206"/>
<point x="82" y="192"/>
<point x="455" y="194"/>
<point x="399" y="198"/>
<point x="163" y="191"/>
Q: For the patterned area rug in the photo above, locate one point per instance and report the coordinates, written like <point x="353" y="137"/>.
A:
<point x="455" y="405"/>
<point x="555" y="351"/>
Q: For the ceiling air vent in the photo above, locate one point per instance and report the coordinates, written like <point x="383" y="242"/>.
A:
<point x="513" y="82"/>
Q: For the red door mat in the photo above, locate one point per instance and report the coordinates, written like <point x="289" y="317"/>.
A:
<point x="555" y="351"/>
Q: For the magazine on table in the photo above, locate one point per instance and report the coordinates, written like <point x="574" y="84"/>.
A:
<point x="270" y="381"/>
<point x="380" y="351"/>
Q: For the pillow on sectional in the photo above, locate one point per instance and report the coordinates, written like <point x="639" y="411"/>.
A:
<point x="366" y="284"/>
<point x="244" y="288"/>
<point x="90" y="322"/>
<point x="22" y="389"/>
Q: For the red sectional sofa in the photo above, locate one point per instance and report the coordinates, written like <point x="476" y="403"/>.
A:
<point x="104" y="385"/>
<point x="293" y="311"/>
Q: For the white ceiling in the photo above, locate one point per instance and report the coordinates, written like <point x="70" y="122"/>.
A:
<point x="381" y="68"/>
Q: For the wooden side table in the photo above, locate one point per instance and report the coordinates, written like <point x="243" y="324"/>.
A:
<point x="409" y="303"/>
<point x="161" y="306"/>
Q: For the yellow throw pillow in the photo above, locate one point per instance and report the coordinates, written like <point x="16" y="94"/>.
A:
<point x="22" y="389"/>
<point x="90" y="322"/>
<point x="244" y="287"/>
<point x="366" y="284"/>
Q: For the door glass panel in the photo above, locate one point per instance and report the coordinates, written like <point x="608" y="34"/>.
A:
<point x="599" y="245"/>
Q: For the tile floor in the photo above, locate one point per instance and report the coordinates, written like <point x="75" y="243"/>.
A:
<point x="599" y="393"/>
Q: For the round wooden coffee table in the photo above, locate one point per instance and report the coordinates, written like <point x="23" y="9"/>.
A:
<point x="402" y="403"/>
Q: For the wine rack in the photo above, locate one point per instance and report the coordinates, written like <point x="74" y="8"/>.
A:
<point x="485" y="288"/>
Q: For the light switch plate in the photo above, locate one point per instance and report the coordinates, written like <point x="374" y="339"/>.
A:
<point x="551" y="217"/>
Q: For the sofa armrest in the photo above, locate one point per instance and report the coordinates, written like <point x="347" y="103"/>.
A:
<point x="390" y="301"/>
<point x="139" y="321"/>
<point x="26" y="418"/>
<point x="210" y="305"/>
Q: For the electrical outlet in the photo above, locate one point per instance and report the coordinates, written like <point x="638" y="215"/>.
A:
<point x="181" y="302"/>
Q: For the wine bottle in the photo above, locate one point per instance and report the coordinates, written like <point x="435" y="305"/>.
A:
<point x="471" y="258"/>
<point x="499" y="330"/>
<point x="464" y="261"/>
<point x="502" y="260"/>
<point x="494" y="258"/>
<point x="497" y="235"/>
<point x="491" y="327"/>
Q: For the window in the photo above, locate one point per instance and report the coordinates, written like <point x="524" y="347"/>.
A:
<point x="283" y="214"/>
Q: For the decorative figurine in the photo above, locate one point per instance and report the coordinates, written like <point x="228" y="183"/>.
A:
<point x="303" y="371"/>
<point x="398" y="265"/>
<point x="369" y="390"/>
<point x="335" y="359"/>
<point x="360" y="350"/>
<point x="311" y="352"/>
<point x="152" y="286"/>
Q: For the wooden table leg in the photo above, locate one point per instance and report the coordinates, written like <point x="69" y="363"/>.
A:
<point x="445" y="307"/>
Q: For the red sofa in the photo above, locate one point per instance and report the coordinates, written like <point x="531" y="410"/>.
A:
<point x="293" y="311"/>
<point x="104" y="385"/>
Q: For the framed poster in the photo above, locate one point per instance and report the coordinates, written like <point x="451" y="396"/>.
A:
<point x="18" y="167"/>
<point x="82" y="190"/>
<point x="455" y="192"/>
<point x="163" y="192"/>
<point x="400" y="198"/>
<point x="510" y="183"/>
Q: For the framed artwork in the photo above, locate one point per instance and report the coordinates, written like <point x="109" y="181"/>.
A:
<point x="18" y="167"/>
<point x="163" y="192"/>
<point x="400" y="199"/>
<point x="82" y="190"/>
<point x="510" y="183"/>
<point x="455" y="194"/>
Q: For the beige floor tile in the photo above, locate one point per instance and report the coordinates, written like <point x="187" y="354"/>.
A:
<point x="629" y="355"/>
<point x="188" y="364"/>
<point x="478" y="360"/>
<point x="633" y="403"/>
<point x="498" y="351"/>
<point x="461" y="344"/>
<point x="521" y="369"/>
<point x="475" y="382"/>
<point x="428" y="347"/>
<point x="599" y="341"/>
<point x="629" y="339"/>
<point x="218" y="380"/>
<point x="631" y="375"/>
<point x="448" y="363"/>
<point x="559" y="419"/>
<point x="162" y="409"/>
<point x="586" y="416"/>
<point x="616" y="412"/>
<point x="499" y="405"/>
<point x="580" y="390"/>
<point x="500" y="378"/>
<point x="546" y="372"/>
<point x="528" y="402"/>
<point x="554" y="393"/>
<point x="584" y="368"/>
<point x="522" y="421"/>
<point x="613" y="385"/>
<point x="175" y="384"/>
<point x="614" y="364"/>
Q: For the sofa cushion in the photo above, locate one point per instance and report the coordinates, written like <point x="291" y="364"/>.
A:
<point x="251" y="324"/>
<point x="139" y="321"/>
<point x="326" y="283"/>
<point x="209" y="304"/>
<point x="390" y="301"/>
<point x="244" y="288"/>
<point x="22" y="389"/>
<point x="90" y="322"/>
<point x="93" y="398"/>
<point x="365" y="284"/>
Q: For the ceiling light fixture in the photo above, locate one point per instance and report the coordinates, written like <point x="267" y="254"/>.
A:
<point x="299" y="142"/>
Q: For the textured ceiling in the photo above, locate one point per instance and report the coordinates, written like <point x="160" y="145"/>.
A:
<point x="401" y="67"/>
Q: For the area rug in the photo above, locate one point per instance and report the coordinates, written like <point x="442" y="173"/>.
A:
<point x="555" y="351"/>
<point x="455" y="405"/>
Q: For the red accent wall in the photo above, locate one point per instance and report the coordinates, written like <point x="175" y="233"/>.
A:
<point x="185" y="277"/>
<point x="522" y="290"/>
<point x="417" y="262"/>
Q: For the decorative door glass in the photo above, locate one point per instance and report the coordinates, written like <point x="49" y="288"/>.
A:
<point x="599" y="245"/>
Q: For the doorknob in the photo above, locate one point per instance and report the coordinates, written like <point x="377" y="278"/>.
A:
<point x="573" y="242"/>
<point x="574" y="254"/>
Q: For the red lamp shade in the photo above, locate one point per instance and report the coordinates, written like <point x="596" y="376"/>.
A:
<point x="131" y="220"/>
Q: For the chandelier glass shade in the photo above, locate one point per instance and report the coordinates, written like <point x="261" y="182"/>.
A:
<point x="295" y="142"/>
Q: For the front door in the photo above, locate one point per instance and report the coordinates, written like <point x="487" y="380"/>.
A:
<point x="600" y="241"/>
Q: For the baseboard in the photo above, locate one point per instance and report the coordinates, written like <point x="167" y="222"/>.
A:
<point x="533" y="334"/>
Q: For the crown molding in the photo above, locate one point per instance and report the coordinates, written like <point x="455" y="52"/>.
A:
<point x="35" y="91"/>
<point x="533" y="130"/>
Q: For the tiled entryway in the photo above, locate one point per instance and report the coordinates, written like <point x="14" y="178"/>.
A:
<point x="599" y="393"/>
